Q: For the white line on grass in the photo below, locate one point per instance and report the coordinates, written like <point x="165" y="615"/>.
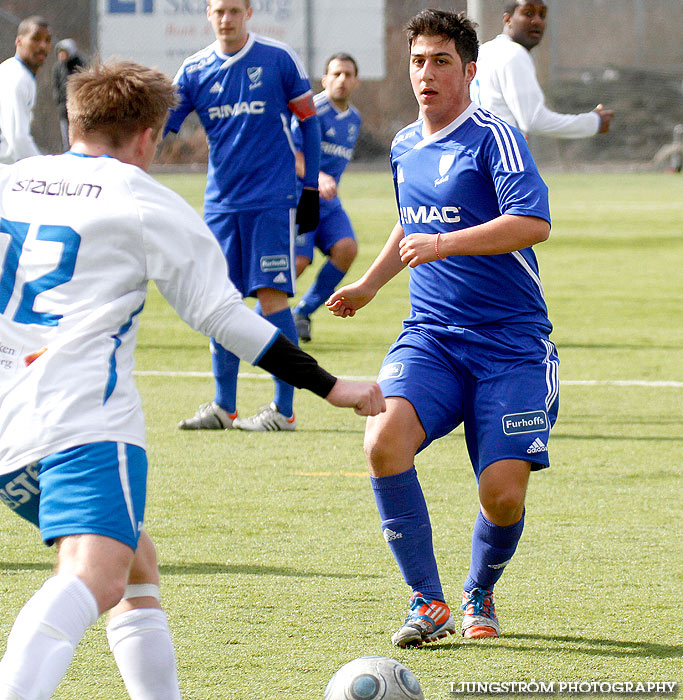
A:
<point x="565" y="382"/>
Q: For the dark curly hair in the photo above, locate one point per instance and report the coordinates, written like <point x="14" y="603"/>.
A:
<point x="448" y="25"/>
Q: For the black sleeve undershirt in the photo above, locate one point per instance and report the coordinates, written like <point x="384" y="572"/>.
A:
<point x="296" y="367"/>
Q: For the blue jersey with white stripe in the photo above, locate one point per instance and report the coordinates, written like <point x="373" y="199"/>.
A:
<point x="339" y="135"/>
<point x="243" y="102"/>
<point x="470" y="172"/>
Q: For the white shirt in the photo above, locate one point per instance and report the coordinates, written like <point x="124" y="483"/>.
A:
<point x="506" y="85"/>
<point x="17" y="98"/>
<point x="80" y="239"/>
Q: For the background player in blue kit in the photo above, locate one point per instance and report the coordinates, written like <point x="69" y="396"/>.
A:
<point x="340" y="124"/>
<point x="475" y="349"/>
<point x="245" y="89"/>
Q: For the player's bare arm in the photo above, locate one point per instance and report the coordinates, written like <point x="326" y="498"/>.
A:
<point x="327" y="185"/>
<point x="350" y="298"/>
<point x="503" y="234"/>
<point x="365" y="398"/>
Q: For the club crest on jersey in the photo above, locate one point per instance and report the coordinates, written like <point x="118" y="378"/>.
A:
<point x="255" y="74"/>
<point x="352" y="132"/>
<point x="445" y="163"/>
<point x="529" y="422"/>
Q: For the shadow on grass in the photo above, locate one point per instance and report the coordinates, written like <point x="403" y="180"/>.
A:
<point x="582" y="645"/>
<point x="252" y="570"/>
<point x="624" y="438"/>
<point x="26" y="566"/>
<point x="207" y="568"/>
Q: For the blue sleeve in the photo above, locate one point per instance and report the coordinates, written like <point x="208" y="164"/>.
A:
<point x="310" y="136"/>
<point x="518" y="184"/>
<point x="295" y="82"/>
<point x="185" y="105"/>
<point x="296" y="134"/>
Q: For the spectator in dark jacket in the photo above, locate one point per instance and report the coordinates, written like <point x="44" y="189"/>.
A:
<point x="68" y="60"/>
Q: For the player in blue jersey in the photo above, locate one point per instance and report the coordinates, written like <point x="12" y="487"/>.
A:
<point x="245" y="89"/>
<point x="340" y="124"/>
<point x="475" y="349"/>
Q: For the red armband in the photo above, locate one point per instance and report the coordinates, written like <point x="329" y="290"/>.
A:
<point x="303" y="107"/>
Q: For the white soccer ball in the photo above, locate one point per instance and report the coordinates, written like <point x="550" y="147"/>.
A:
<point x="373" y="678"/>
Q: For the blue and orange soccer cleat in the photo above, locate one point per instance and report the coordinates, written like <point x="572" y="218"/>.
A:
<point x="428" y="620"/>
<point x="480" y="614"/>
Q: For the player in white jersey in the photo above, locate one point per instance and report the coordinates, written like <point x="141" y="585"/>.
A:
<point x="82" y="234"/>
<point x="475" y="349"/>
<point x="245" y="89"/>
<point x="506" y="82"/>
<point x="18" y="89"/>
<point x="340" y="124"/>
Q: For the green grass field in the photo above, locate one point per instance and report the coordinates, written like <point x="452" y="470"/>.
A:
<point x="274" y="572"/>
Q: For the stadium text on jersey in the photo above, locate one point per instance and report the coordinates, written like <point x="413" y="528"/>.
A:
<point x="59" y="188"/>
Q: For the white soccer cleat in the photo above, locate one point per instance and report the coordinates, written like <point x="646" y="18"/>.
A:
<point x="267" y="418"/>
<point x="210" y="416"/>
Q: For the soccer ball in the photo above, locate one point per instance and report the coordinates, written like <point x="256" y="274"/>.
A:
<point x="373" y="678"/>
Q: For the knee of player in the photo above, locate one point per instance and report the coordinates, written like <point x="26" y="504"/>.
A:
<point x="503" y="507"/>
<point x="110" y="594"/>
<point x="302" y="262"/>
<point x="144" y="568"/>
<point x="343" y="253"/>
<point x="383" y="453"/>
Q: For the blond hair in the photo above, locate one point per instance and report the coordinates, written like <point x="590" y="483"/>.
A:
<point x="117" y="100"/>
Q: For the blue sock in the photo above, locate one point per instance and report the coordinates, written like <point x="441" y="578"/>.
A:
<point x="318" y="293"/>
<point x="407" y="530"/>
<point x="492" y="549"/>
<point x="284" y="393"/>
<point x="225" y="366"/>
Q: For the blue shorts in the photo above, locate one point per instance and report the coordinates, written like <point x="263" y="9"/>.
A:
<point x="97" y="488"/>
<point x="259" y="247"/>
<point x="334" y="225"/>
<point x="503" y="386"/>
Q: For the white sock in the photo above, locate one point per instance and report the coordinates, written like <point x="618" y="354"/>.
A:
<point x="141" y="643"/>
<point x="44" y="636"/>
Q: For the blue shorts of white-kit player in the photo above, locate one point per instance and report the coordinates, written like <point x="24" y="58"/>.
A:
<point x="258" y="245"/>
<point x="333" y="227"/>
<point x="502" y="385"/>
<point x="98" y="489"/>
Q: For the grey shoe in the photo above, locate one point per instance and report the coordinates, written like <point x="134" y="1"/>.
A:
<point x="267" y="418"/>
<point x="303" y="327"/>
<point x="427" y="621"/>
<point x="210" y="416"/>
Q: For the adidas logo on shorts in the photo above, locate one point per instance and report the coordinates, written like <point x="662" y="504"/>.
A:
<point x="536" y="446"/>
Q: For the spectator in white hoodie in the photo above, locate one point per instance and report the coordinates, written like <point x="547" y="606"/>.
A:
<point x="506" y="82"/>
